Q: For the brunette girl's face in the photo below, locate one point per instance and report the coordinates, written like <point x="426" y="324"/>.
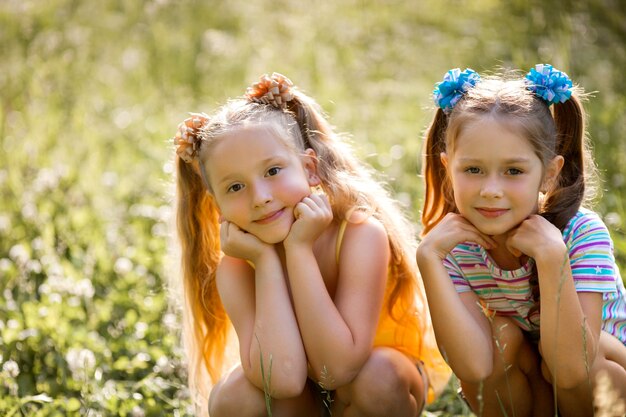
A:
<point x="496" y="175"/>
<point x="257" y="180"/>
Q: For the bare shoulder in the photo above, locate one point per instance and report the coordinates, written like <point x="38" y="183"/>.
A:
<point x="365" y="237"/>
<point x="368" y="228"/>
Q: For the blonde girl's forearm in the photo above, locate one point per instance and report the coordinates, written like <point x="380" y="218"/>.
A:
<point x="276" y="340"/>
<point x="461" y="329"/>
<point x="330" y="344"/>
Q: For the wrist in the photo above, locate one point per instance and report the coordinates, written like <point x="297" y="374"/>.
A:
<point x="266" y="253"/>
<point x="425" y="254"/>
<point x="555" y="253"/>
<point x="297" y="245"/>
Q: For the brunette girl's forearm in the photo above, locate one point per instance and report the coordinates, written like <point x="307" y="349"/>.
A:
<point x="465" y="343"/>
<point x="567" y="341"/>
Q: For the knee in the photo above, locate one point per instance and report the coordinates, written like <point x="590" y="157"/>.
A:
<point x="385" y="381"/>
<point x="235" y="395"/>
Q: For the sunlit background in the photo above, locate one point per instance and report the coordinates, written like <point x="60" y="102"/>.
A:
<point x="91" y="92"/>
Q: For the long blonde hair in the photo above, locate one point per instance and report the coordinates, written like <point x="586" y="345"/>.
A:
<point x="348" y="183"/>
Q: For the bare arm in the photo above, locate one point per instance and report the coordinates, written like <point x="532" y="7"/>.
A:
<point x="570" y="322"/>
<point x="257" y="302"/>
<point x="462" y="330"/>
<point x="338" y="333"/>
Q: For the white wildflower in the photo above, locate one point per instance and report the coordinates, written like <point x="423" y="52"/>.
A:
<point x="123" y="266"/>
<point x="11" y="368"/>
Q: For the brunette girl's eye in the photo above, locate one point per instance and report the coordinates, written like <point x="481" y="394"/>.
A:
<point x="514" y="171"/>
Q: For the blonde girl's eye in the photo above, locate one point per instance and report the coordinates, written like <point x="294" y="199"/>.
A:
<point x="472" y="170"/>
<point x="234" y="188"/>
<point x="273" y="171"/>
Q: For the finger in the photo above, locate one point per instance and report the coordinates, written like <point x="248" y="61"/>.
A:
<point x="484" y="240"/>
<point x="303" y="209"/>
<point x="312" y="201"/>
<point x="224" y="231"/>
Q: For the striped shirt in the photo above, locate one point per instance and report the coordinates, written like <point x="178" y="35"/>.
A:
<point x="508" y="293"/>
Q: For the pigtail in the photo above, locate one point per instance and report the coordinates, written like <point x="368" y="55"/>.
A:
<point x="205" y="321"/>
<point x="567" y="195"/>
<point x="437" y="192"/>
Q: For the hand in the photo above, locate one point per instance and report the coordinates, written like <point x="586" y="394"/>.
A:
<point x="449" y="232"/>
<point x="238" y="243"/>
<point x="536" y="237"/>
<point x="313" y="215"/>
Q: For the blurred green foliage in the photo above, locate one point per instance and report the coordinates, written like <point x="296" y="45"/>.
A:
<point x="90" y="92"/>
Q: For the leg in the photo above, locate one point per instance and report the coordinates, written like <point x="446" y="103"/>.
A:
<point x="234" y="395"/>
<point x="516" y="386"/>
<point x="610" y="362"/>
<point x="389" y="384"/>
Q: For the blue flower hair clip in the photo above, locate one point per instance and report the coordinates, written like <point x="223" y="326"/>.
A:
<point x="454" y="85"/>
<point x="552" y="85"/>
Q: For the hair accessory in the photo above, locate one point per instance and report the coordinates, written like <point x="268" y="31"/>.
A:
<point x="187" y="139"/>
<point x="454" y="85"/>
<point x="552" y="85"/>
<point x="275" y="90"/>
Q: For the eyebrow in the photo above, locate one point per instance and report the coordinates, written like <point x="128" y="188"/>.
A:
<point x="506" y="161"/>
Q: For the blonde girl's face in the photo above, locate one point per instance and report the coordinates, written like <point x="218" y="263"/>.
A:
<point x="496" y="176"/>
<point x="257" y="180"/>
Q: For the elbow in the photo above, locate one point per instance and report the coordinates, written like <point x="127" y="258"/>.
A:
<point x="285" y="385"/>
<point x="473" y="369"/>
<point x="283" y="382"/>
<point x="473" y="374"/>
<point x="286" y="390"/>
<point x="569" y="379"/>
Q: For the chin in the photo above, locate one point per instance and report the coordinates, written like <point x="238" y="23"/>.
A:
<point x="491" y="230"/>
<point x="273" y="238"/>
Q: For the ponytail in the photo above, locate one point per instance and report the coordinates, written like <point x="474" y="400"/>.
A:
<point x="438" y="199"/>
<point x="206" y="322"/>
<point x="568" y="193"/>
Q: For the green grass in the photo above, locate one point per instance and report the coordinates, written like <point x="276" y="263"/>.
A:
<point x="91" y="92"/>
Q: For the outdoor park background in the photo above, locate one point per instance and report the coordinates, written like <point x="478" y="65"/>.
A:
<point x="91" y="92"/>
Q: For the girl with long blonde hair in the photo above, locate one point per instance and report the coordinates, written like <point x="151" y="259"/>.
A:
<point x="287" y="236"/>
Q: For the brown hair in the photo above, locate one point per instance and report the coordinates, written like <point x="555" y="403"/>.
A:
<point x="559" y="130"/>
<point x="551" y="132"/>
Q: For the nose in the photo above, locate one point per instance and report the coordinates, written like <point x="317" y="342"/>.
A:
<point x="262" y="194"/>
<point x="491" y="188"/>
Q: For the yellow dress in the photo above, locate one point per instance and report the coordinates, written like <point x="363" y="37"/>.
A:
<point x="411" y="333"/>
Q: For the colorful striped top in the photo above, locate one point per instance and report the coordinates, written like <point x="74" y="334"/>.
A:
<point x="508" y="293"/>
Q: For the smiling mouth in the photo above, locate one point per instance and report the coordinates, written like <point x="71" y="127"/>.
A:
<point x="491" y="212"/>
<point x="270" y="217"/>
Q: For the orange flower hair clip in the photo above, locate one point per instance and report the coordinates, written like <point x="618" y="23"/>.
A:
<point x="187" y="139"/>
<point x="275" y="90"/>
